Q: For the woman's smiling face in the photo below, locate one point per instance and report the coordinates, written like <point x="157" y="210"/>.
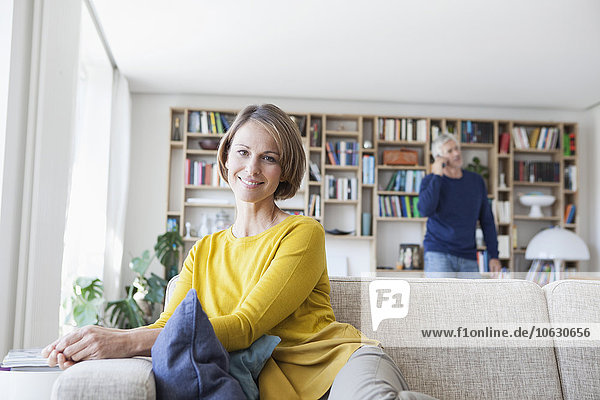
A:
<point x="253" y="168"/>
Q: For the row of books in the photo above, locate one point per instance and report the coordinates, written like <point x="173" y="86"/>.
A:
<point x="571" y="177"/>
<point x="342" y="152"/>
<point x="368" y="169"/>
<point x="341" y="188"/>
<point x="536" y="171"/>
<point x="314" y="205"/>
<point x="399" y="206"/>
<point x="477" y="132"/>
<point x="569" y="144"/>
<point x="541" y="138"/>
<point x="503" y="211"/>
<point x="406" y="181"/>
<point x="172" y="224"/>
<point x="203" y="173"/>
<point x="483" y="261"/>
<point x="209" y="122"/>
<point x="542" y="272"/>
<point x="315" y="133"/>
<point x="395" y="129"/>
<point x="570" y="213"/>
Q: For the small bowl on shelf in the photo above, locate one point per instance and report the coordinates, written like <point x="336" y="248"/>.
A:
<point x="209" y="144"/>
<point x="536" y="202"/>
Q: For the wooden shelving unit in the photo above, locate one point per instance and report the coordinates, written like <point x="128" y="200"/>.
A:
<point x="383" y="233"/>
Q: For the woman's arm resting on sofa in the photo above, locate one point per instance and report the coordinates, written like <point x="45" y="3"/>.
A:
<point x="96" y="342"/>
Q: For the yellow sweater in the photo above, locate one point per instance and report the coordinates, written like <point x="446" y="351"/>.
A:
<point x="273" y="283"/>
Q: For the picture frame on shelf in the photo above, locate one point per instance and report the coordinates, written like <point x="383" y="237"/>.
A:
<point x="409" y="257"/>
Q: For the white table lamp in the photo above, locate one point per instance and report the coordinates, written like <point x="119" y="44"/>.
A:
<point x="559" y="245"/>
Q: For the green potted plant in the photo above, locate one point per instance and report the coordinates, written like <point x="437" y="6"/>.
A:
<point x="168" y="249"/>
<point x="137" y="308"/>
<point x="478" y="168"/>
<point x="85" y="303"/>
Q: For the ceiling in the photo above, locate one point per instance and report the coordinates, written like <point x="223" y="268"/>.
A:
<point x="525" y="53"/>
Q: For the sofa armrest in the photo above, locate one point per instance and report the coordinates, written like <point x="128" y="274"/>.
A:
<point x="125" y="378"/>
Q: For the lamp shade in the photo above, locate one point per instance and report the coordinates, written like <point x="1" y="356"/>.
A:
<point x="557" y="244"/>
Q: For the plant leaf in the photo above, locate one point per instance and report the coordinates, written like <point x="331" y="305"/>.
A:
<point x="141" y="264"/>
<point x="155" y="289"/>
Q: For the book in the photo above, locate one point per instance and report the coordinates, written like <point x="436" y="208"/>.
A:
<point x="219" y="123"/>
<point x="213" y="123"/>
<point x="333" y="160"/>
<point x="503" y="246"/>
<point x="504" y="143"/>
<point x="25" y="358"/>
<point x="570" y="218"/>
<point x="204" y="122"/>
<point x="315" y="174"/>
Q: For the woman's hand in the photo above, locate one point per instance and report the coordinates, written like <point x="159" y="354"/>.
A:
<point x="87" y="343"/>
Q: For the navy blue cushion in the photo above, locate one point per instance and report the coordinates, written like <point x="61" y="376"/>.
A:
<point x="188" y="360"/>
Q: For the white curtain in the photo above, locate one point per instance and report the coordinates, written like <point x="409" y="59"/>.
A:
<point x="118" y="184"/>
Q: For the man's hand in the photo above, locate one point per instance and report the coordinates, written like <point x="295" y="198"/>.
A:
<point x="439" y="165"/>
<point x="495" y="265"/>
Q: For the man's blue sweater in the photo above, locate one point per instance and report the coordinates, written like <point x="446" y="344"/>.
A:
<point x="453" y="207"/>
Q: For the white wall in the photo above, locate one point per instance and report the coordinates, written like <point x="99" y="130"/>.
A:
<point x="150" y="151"/>
<point x="590" y="182"/>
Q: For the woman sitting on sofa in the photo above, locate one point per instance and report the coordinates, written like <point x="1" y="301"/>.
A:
<point x="266" y="274"/>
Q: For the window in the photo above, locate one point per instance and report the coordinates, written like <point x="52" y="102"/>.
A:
<point x="85" y="231"/>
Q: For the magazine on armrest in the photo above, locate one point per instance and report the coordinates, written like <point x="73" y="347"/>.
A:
<point x="26" y="360"/>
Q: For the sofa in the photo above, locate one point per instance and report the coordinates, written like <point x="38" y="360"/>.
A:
<point x="445" y="368"/>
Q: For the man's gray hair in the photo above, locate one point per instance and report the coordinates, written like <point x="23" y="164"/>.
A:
<point x="436" y="145"/>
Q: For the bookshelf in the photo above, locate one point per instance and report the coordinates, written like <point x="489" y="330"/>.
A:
<point x="349" y="188"/>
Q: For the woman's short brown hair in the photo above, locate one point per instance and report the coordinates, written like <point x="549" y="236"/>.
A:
<point x="287" y="136"/>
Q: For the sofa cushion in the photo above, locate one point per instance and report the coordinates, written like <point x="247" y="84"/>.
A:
<point x="572" y="301"/>
<point x="118" y="379"/>
<point x="188" y="360"/>
<point x="467" y="369"/>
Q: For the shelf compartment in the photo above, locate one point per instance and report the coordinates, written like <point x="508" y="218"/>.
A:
<point x="334" y="201"/>
<point x="400" y="219"/>
<point x="342" y="167"/>
<point x="401" y="143"/>
<point x="477" y="145"/>
<point x="204" y="135"/>
<point x="342" y="133"/>
<point x="540" y="184"/>
<point x="213" y="205"/>
<point x="393" y="193"/>
<point x="206" y="187"/>
<point x="528" y="218"/>
<point x="201" y="152"/>
<point x="353" y="237"/>
<point x="537" y="151"/>
<point x="402" y="167"/>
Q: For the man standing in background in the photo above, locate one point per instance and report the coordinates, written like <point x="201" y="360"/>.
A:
<point x="454" y="200"/>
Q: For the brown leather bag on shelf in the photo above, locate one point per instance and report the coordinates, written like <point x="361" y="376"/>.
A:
<point x="400" y="157"/>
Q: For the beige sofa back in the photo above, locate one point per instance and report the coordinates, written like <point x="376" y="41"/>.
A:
<point x="464" y="372"/>
<point x="578" y="362"/>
